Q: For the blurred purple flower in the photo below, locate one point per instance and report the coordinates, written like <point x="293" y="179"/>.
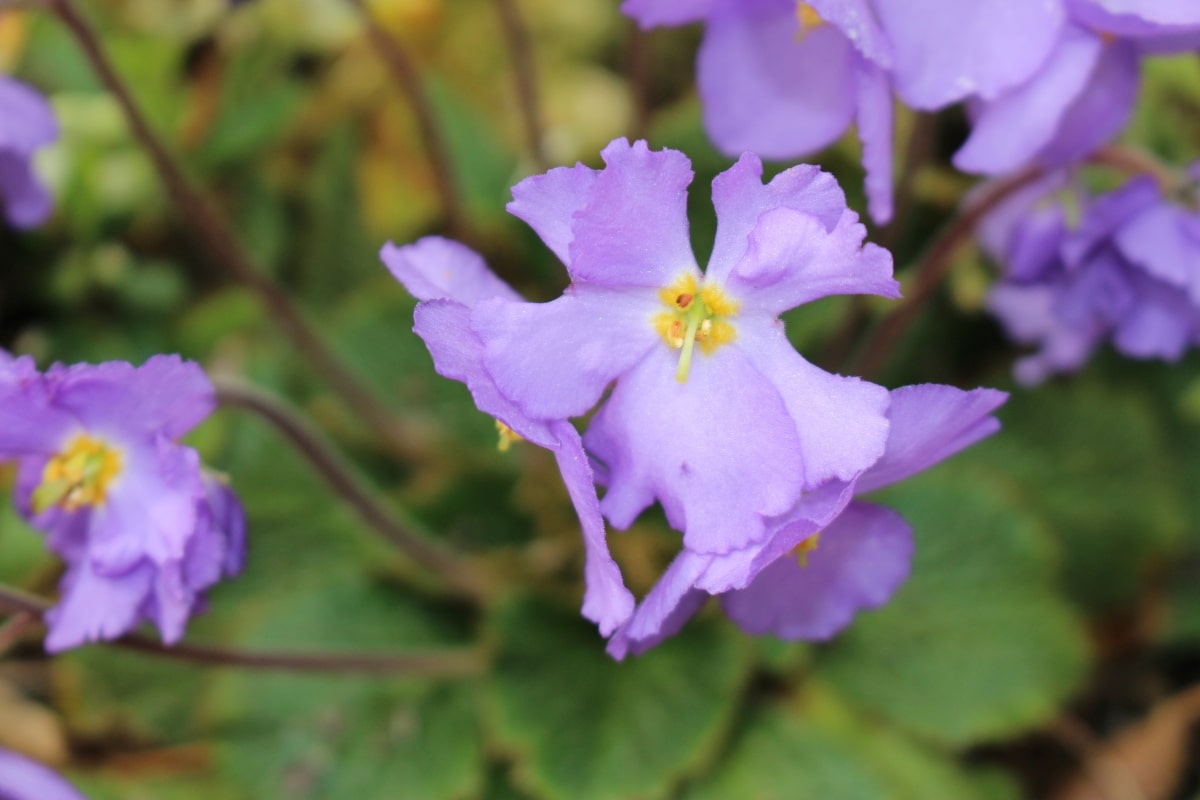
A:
<point x="22" y="778"/>
<point x="1129" y="272"/>
<point x="451" y="280"/>
<point x="26" y="124"/>
<point x="143" y="531"/>
<point x="786" y="79"/>
<point x="832" y="556"/>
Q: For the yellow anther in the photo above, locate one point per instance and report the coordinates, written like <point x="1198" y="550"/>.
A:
<point x="507" y="437"/>
<point x="802" y="550"/>
<point x="688" y="323"/>
<point x="79" y="476"/>
<point x="808" y="18"/>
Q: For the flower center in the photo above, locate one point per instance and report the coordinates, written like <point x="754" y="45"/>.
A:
<point x="79" y="476"/>
<point x="808" y="18"/>
<point x="695" y="316"/>
<point x="508" y="437"/>
<point x="802" y="550"/>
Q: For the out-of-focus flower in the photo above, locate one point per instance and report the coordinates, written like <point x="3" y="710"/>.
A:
<point x="785" y="79"/>
<point x="1129" y="271"/>
<point x="832" y="556"/>
<point x="143" y="530"/>
<point x="713" y="412"/>
<point x="24" y="779"/>
<point x="26" y="124"/>
<point x="451" y="279"/>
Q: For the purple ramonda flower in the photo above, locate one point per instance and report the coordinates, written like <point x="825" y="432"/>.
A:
<point x="22" y="778"/>
<point x="785" y="79"/>
<point x="26" y="124"/>
<point x="712" y="412"/>
<point x="833" y="555"/>
<point x="1129" y="271"/>
<point x="143" y="530"/>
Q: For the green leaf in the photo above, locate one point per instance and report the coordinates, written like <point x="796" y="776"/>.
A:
<point x="977" y="645"/>
<point x="820" y="750"/>
<point x="584" y="727"/>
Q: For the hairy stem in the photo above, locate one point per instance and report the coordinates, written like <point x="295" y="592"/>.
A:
<point x="451" y="663"/>
<point x="351" y="488"/>
<point x="217" y="238"/>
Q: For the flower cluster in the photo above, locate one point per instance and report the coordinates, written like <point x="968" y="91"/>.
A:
<point x="1127" y="270"/>
<point x="785" y="78"/>
<point x="143" y="529"/>
<point x="26" y="124"/>
<point x="750" y="449"/>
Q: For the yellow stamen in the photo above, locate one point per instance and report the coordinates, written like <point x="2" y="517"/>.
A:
<point x="808" y="18"/>
<point x="507" y="437"/>
<point x="79" y="476"/>
<point x="802" y="550"/>
<point x="688" y="323"/>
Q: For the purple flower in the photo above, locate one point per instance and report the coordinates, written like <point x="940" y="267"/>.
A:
<point x="1129" y="272"/>
<point x="26" y="124"/>
<point x="713" y="413"/>
<point x="22" y="778"/>
<point x="786" y="79"/>
<point x="452" y="280"/>
<point x="833" y="556"/>
<point x="143" y="530"/>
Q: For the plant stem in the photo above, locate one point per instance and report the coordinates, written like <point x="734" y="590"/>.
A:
<point x="351" y="488"/>
<point x="516" y="34"/>
<point x="407" y="77"/>
<point x="218" y="239"/>
<point x="451" y="663"/>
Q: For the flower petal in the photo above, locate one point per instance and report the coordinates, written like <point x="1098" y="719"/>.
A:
<point x="946" y="50"/>
<point x="841" y="423"/>
<point x="96" y="606"/>
<point x="740" y="198"/>
<point x="862" y="558"/>
<point x="435" y="268"/>
<point x="26" y="119"/>
<point x="26" y="201"/>
<point x="719" y="451"/>
<point x="634" y="229"/>
<point x="554" y="360"/>
<point x="873" y="116"/>
<point x="664" y="610"/>
<point x="1162" y="240"/>
<point x="767" y="89"/>
<point x="445" y="327"/>
<point x="606" y="601"/>
<point x="548" y="204"/>
<point x="856" y="20"/>
<point x="930" y="423"/>
<point x="25" y="779"/>
<point x="792" y="259"/>
<point x="652" y="13"/>
<point x="1036" y="108"/>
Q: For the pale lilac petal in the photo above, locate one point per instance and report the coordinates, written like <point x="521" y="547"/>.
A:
<point x="606" y="601"/>
<point x="856" y="20"/>
<point x="946" y="50"/>
<point x="668" y="606"/>
<point x="26" y="120"/>
<point x="96" y="605"/>
<point x="1036" y="109"/>
<point x="634" y="229"/>
<point x="740" y="198"/>
<point x="1099" y="292"/>
<point x="997" y="229"/>
<point x="652" y="13"/>
<point x="841" y="422"/>
<point x="792" y="260"/>
<point x="769" y="91"/>
<point x="1106" y="214"/>
<point x="1158" y="12"/>
<point x="1033" y="250"/>
<point x="548" y="204"/>
<point x="445" y="327"/>
<point x="1027" y="312"/>
<point x="719" y="451"/>
<point x="29" y="425"/>
<point x="860" y="562"/>
<point x="27" y="203"/>
<point x="1162" y="241"/>
<point x="1160" y="324"/>
<point x="24" y="779"/>
<point x="554" y="360"/>
<point x="435" y="268"/>
<point x="874" y="120"/>
<point x="930" y="423"/>
<point x="170" y="603"/>
<point x="1101" y="111"/>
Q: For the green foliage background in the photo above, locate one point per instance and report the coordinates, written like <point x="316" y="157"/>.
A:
<point x="1053" y="561"/>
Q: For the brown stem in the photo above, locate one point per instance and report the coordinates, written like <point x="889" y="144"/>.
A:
<point x="342" y="478"/>
<point x="1136" y="162"/>
<point x="516" y="34"/>
<point x="447" y="664"/>
<point x="407" y="77"/>
<point x="639" y="64"/>
<point x="218" y="239"/>
<point x="933" y="268"/>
